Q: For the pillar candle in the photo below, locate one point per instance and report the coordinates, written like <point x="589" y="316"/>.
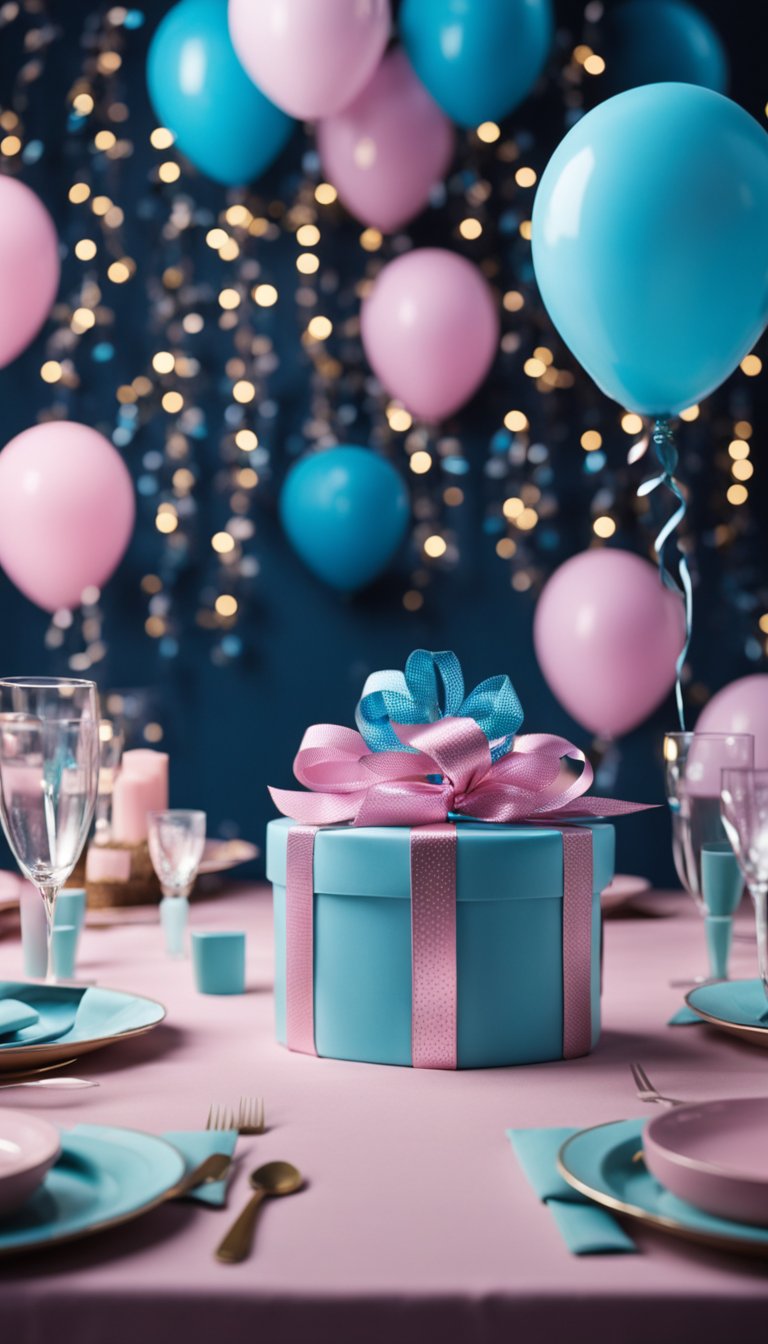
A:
<point x="141" y="787"/>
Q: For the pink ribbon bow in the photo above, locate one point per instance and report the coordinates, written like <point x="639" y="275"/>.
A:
<point x="347" y="782"/>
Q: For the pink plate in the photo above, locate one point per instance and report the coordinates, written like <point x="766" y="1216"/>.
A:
<point x="714" y="1155"/>
<point x="28" y="1147"/>
<point x="622" y="890"/>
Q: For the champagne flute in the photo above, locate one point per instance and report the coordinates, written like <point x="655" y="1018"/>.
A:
<point x="49" y="773"/>
<point x="693" y="766"/>
<point x="744" y="803"/>
<point x="176" y="840"/>
<point x="111" y="742"/>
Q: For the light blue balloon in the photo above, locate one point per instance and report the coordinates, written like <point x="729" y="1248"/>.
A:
<point x="650" y="243"/>
<point x="345" y="512"/>
<point x="478" y="58"/>
<point x="200" y="91"/>
<point x="653" y="41"/>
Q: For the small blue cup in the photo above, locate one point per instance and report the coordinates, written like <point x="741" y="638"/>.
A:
<point x="174" y="917"/>
<point x="722" y="886"/>
<point x="219" y="962"/>
<point x="70" y="907"/>
<point x="722" y="882"/>
<point x="63" y="951"/>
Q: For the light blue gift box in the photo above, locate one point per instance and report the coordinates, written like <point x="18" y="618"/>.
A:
<point x="509" y="946"/>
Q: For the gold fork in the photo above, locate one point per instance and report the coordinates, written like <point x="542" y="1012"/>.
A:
<point x="247" y="1119"/>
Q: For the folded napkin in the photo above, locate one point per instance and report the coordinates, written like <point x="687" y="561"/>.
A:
<point x="15" y="1015"/>
<point x="197" y="1144"/>
<point x="586" y="1228"/>
<point x="56" y="1009"/>
<point x="685" y="1017"/>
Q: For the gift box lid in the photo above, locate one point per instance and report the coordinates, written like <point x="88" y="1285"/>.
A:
<point x="493" y="862"/>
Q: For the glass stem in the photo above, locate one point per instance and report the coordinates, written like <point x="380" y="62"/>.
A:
<point x="103" y="822"/>
<point x="49" y="892"/>
<point x="759" y="893"/>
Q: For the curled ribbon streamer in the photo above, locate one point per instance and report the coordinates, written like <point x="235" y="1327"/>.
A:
<point x="432" y="688"/>
<point x="663" y="441"/>
<point x="398" y="788"/>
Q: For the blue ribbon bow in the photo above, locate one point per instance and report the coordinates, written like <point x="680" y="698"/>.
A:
<point x="432" y="688"/>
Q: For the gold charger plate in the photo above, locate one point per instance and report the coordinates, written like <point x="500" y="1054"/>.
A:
<point x="10" y="891"/>
<point x="32" y="1057"/>
<point x="693" y="1225"/>
<point x="221" y="855"/>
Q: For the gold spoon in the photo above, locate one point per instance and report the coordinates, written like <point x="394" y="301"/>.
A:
<point x="274" y="1178"/>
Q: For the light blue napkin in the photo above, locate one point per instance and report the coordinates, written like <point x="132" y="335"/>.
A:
<point x="197" y="1144"/>
<point x="586" y="1229"/>
<point x="56" y="1007"/>
<point x="685" y="1017"/>
<point x="15" y="1015"/>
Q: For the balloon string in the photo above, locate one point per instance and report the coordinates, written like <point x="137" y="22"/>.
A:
<point x="663" y="442"/>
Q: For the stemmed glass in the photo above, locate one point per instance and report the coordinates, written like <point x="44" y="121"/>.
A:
<point x="693" y="767"/>
<point x="49" y="774"/>
<point x="744" y="803"/>
<point x="176" y="841"/>
<point x="111" y="741"/>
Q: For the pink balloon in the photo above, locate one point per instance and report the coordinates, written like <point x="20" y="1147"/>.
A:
<point x="29" y="267"/>
<point x="66" y="512"/>
<point x="385" y="151"/>
<point x="430" y="329"/>
<point x="607" y="635"/>
<point x="741" y="707"/>
<point x="311" y="57"/>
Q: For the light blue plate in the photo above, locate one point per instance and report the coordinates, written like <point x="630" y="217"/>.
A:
<point x="104" y="1176"/>
<point x="738" y="1006"/>
<point x="72" y="1021"/>
<point x="598" y="1163"/>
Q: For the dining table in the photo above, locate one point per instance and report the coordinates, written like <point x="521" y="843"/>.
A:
<point x="415" y="1222"/>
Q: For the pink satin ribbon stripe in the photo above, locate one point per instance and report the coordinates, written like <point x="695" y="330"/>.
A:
<point x="300" y="940"/>
<point x="577" y="941"/>
<point x="433" y="947"/>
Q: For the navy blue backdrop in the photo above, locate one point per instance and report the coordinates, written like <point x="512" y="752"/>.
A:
<point x="233" y="729"/>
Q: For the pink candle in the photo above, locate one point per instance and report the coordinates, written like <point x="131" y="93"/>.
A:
<point x="141" y="787"/>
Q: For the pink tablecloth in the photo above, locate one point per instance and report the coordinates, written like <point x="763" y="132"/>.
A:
<point x="416" y="1222"/>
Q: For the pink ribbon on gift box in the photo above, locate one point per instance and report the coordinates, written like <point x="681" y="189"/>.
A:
<point x="448" y="771"/>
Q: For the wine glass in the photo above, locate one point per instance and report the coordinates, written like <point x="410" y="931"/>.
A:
<point x="744" y="804"/>
<point x="111" y="742"/>
<point x="49" y="773"/>
<point x="176" y="841"/>
<point x="693" y="767"/>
